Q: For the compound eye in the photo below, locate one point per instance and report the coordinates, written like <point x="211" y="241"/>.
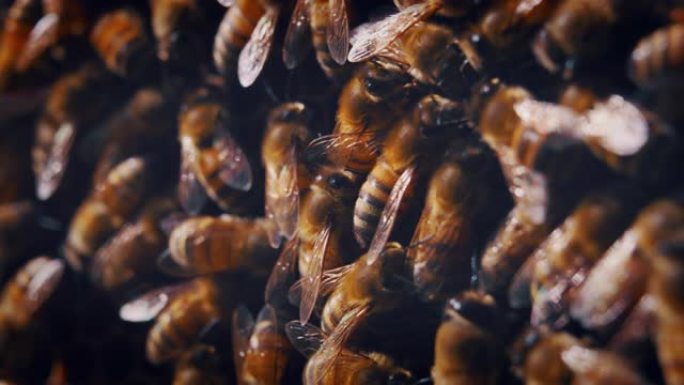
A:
<point x="337" y="181"/>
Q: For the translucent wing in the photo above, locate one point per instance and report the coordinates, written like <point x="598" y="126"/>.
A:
<point x="283" y="272"/>
<point x="312" y="277"/>
<point x="376" y="36"/>
<point x="332" y="277"/>
<point x="44" y="281"/>
<point x="191" y="194"/>
<point x="338" y="31"/>
<point x="226" y="3"/>
<point x="235" y="171"/>
<point x="254" y="55"/>
<point x="43" y="35"/>
<point x="282" y="197"/>
<point x="149" y="305"/>
<point x="637" y="329"/>
<point x="297" y="38"/>
<point x="51" y="175"/>
<point x="242" y="326"/>
<point x="615" y="283"/>
<point x="389" y="215"/>
<point x="329" y="282"/>
<point x="335" y="342"/>
<point x="306" y="338"/>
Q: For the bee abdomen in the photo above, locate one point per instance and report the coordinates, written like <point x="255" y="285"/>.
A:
<point x="658" y="55"/>
<point x="233" y="34"/>
<point x="371" y="202"/>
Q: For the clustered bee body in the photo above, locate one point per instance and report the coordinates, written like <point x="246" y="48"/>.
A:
<point x="408" y="192"/>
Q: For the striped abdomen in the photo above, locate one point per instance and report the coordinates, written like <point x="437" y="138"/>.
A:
<point x="208" y="244"/>
<point x="181" y="324"/>
<point x="658" y="55"/>
<point x="207" y="168"/>
<point x="372" y="199"/>
<point x="319" y="24"/>
<point x="234" y="31"/>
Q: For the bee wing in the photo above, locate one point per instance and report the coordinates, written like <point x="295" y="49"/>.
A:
<point x="44" y="281"/>
<point x="44" y="34"/>
<point x="311" y="282"/>
<point x="338" y="31"/>
<point x="296" y="38"/>
<point x="254" y="54"/>
<point x="282" y="197"/>
<point x="551" y="304"/>
<point x="51" y="175"/>
<point x="306" y="338"/>
<point x="329" y="282"/>
<point x="149" y="305"/>
<point x="283" y="271"/>
<point x="226" y="3"/>
<point x="615" y="283"/>
<point x="374" y="37"/>
<point x="389" y="215"/>
<point x="333" y="345"/>
<point x="236" y="171"/>
<point x="191" y="194"/>
<point x="637" y="329"/>
<point x="242" y="327"/>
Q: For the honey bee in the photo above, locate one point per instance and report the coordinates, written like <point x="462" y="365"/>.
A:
<point x="654" y="62"/>
<point x="431" y="54"/>
<point x="129" y="256"/>
<point x="199" y="365"/>
<point x="324" y="231"/>
<point x="286" y="175"/>
<point x="465" y="348"/>
<point x="183" y="314"/>
<point x="660" y="239"/>
<point x="560" y="359"/>
<point x="405" y="148"/>
<point x="64" y="117"/>
<point x="204" y="244"/>
<point x="642" y="147"/>
<point x="370" y="39"/>
<point x="26" y="293"/>
<point x="61" y="18"/>
<point x="121" y="40"/>
<point x="583" y="30"/>
<point x="563" y="260"/>
<point x="346" y="367"/>
<point x="145" y="125"/>
<point x="613" y="285"/>
<point x="329" y="25"/>
<point x="371" y="284"/>
<point x="16" y="30"/>
<point x="261" y="349"/>
<point x="107" y="208"/>
<point x="211" y="161"/>
<point x="368" y="106"/>
<point x="459" y="208"/>
<point x="248" y="27"/>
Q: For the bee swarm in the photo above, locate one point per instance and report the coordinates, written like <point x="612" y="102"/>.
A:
<point x="341" y="192"/>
